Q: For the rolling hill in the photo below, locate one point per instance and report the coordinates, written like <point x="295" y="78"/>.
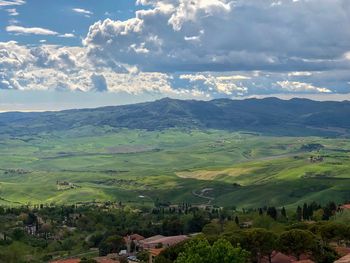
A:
<point x="270" y="116"/>
<point x="250" y="153"/>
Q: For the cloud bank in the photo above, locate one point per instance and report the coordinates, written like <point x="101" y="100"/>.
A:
<point x="201" y="48"/>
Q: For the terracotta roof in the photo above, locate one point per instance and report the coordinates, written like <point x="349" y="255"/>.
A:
<point x="345" y="259"/>
<point x="342" y="251"/>
<point x="151" y="239"/>
<point x="106" y="260"/>
<point x="136" y="237"/>
<point x="71" y="260"/>
<point x="167" y="241"/>
<point x="278" y="257"/>
<point x="345" y="206"/>
<point x="156" y="251"/>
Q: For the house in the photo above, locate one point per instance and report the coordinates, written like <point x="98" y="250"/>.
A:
<point x="106" y="259"/>
<point x="161" y="241"/>
<point x="70" y="260"/>
<point x="134" y="238"/>
<point x="345" y="259"/>
<point x="345" y="207"/>
<point x="144" y="243"/>
<point x="278" y="257"/>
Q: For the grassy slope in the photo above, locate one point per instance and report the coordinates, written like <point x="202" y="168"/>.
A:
<point x="124" y="164"/>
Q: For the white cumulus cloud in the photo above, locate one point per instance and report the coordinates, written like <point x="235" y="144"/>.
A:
<point x="83" y="11"/>
<point x="30" y="30"/>
<point x="224" y="35"/>
<point x="11" y="2"/>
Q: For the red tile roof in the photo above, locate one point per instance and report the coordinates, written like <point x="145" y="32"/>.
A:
<point x="345" y="259"/>
<point x="345" y="206"/>
<point x="156" y="251"/>
<point x="106" y="260"/>
<point x="165" y="241"/>
<point x="150" y="239"/>
<point x="278" y="257"/>
<point x="342" y="251"/>
<point x="71" y="260"/>
<point x="136" y="237"/>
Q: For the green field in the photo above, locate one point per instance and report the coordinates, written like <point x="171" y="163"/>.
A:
<point x="138" y="167"/>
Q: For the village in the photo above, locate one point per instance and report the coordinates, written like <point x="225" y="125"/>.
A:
<point x="150" y="236"/>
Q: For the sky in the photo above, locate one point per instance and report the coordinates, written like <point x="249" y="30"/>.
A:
<point x="60" y="54"/>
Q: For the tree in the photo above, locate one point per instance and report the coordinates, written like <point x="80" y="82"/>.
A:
<point x="299" y="213"/>
<point x="199" y="251"/>
<point x="334" y="232"/>
<point x="143" y="256"/>
<point x="111" y="244"/>
<point x="260" y="242"/>
<point x="329" y="210"/>
<point x="272" y="212"/>
<point x="170" y="254"/>
<point x="261" y="212"/>
<point x="13" y="253"/>
<point x="223" y="252"/>
<point x="283" y="212"/>
<point x="18" y="234"/>
<point x="305" y="212"/>
<point x="196" y="223"/>
<point x="237" y="220"/>
<point x="211" y="229"/>
<point x="196" y="251"/>
<point x="297" y="242"/>
<point x="172" y="226"/>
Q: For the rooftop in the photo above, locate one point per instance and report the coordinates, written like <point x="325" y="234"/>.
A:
<point x="345" y="206"/>
<point x="71" y="260"/>
<point x="345" y="259"/>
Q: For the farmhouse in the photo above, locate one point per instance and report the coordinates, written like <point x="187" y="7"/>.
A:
<point x="160" y="241"/>
<point x="135" y="239"/>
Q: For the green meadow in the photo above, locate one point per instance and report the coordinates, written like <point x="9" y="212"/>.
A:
<point x="139" y="167"/>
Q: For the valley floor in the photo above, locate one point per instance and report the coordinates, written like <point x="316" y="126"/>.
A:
<point x="138" y="167"/>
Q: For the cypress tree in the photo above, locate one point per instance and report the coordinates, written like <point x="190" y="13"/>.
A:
<point x="237" y="220"/>
<point x="299" y="213"/>
<point x="283" y="212"/>
<point x="305" y="212"/>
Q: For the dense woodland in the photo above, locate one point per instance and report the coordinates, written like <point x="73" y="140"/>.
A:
<point x="42" y="233"/>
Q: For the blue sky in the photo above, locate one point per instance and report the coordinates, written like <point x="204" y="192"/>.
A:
<point x="58" y="54"/>
<point x="59" y="16"/>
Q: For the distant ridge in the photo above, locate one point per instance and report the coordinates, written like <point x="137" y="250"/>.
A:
<point x="269" y="116"/>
